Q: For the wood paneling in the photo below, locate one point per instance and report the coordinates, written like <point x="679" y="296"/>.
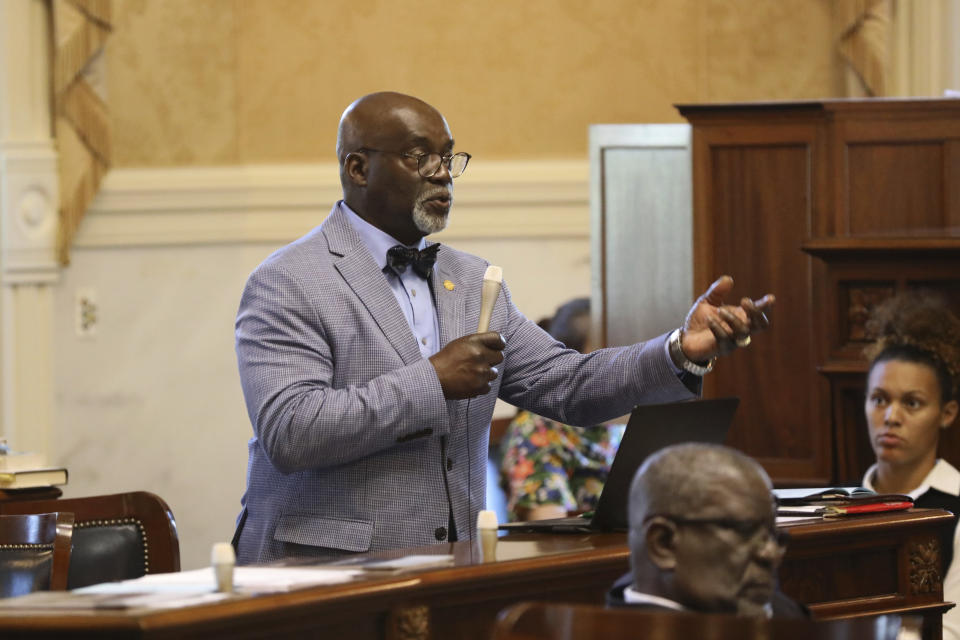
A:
<point x="871" y="188"/>
<point x="752" y="223"/>
<point x="856" y="280"/>
<point x="854" y="455"/>
<point x="756" y="194"/>
<point x="895" y="186"/>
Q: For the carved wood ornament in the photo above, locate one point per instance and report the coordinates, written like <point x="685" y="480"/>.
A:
<point x="925" y="568"/>
<point x="409" y="623"/>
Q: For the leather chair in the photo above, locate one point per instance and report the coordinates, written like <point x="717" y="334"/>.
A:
<point x="543" y="621"/>
<point x="34" y="552"/>
<point x="116" y="537"/>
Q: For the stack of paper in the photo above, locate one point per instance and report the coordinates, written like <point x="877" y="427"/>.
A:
<point x="837" y="501"/>
<point x="245" y="580"/>
<point x="25" y="470"/>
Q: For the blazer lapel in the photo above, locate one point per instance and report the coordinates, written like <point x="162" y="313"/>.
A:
<point x="361" y="274"/>
<point x="448" y="296"/>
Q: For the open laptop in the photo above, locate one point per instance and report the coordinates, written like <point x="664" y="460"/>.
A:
<point x="650" y="428"/>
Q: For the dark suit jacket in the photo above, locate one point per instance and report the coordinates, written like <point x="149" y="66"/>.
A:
<point x="783" y="605"/>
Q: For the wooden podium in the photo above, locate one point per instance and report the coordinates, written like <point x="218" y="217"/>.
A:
<point x="849" y="567"/>
<point x="833" y="206"/>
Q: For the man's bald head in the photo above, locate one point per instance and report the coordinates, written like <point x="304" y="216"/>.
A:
<point x="702" y="530"/>
<point x="683" y="479"/>
<point x="364" y="122"/>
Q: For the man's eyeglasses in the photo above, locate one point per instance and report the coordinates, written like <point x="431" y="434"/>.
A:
<point x="754" y="532"/>
<point x="428" y="164"/>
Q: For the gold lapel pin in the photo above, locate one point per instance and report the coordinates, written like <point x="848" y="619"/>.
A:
<point x="448" y="285"/>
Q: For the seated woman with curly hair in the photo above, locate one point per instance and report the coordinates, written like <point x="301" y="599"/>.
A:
<point x="912" y="393"/>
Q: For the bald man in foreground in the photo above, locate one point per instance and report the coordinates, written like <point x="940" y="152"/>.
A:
<point x="370" y="392"/>
<point x="703" y="536"/>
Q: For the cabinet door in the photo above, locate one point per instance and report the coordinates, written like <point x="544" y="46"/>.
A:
<point x="641" y="230"/>
<point x="757" y="186"/>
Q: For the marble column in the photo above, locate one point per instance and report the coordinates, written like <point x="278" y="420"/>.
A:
<point x="28" y="225"/>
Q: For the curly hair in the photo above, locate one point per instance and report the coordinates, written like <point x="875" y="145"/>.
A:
<point x="917" y="326"/>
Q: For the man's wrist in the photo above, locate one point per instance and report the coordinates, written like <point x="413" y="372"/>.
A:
<point x="681" y="361"/>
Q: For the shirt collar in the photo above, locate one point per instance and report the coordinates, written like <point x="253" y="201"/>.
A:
<point x="943" y="477"/>
<point x="631" y="596"/>
<point x="375" y="240"/>
<point x="636" y="597"/>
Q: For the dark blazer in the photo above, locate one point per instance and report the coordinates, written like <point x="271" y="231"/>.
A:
<point x="783" y="605"/>
<point x="936" y="499"/>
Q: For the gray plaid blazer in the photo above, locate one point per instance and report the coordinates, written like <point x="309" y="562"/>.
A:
<point x="354" y="447"/>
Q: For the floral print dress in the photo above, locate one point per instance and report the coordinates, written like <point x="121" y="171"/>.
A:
<point x="546" y="462"/>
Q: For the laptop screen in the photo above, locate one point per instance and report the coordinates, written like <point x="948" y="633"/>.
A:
<point x="650" y="428"/>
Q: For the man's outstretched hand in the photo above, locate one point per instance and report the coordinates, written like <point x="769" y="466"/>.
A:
<point x="467" y="365"/>
<point x="713" y="328"/>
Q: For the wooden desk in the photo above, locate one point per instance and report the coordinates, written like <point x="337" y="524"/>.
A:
<point x="871" y="564"/>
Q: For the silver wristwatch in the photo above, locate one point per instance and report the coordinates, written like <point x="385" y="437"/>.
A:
<point x="682" y="361"/>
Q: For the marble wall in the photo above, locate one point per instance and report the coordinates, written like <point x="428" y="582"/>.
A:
<point x="195" y="82"/>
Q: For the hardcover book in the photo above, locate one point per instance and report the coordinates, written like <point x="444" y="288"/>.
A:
<point x="30" y="478"/>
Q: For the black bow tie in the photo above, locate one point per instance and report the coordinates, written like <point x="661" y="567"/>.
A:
<point x="422" y="262"/>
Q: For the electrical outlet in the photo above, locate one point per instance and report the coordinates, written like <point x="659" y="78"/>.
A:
<point x="87" y="313"/>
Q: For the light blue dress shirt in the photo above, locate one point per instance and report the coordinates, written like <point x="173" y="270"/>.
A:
<point x="412" y="292"/>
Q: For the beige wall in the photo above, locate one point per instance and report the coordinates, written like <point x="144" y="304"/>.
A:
<point x="152" y="400"/>
<point x="201" y="82"/>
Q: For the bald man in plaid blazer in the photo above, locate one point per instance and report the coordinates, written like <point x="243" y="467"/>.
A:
<point x="360" y="442"/>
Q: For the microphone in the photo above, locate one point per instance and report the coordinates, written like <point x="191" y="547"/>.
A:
<point x="487" y="532"/>
<point x="492" y="278"/>
<point x="223" y="559"/>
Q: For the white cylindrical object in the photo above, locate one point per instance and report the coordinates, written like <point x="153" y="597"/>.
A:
<point x="487" y="519"/>
<point x="492" y="278"/>
<point x="487" y="534"/>
<point x="223" y="559"/>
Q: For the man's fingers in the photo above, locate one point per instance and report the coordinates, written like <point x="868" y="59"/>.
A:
<point x="492" y="340"/>
<point x="737" y="322"/>
<point x="492" y="356"/>
<point x="466" y="366"/>
<point x="719" y="330"/>
<point x="766" y="302"/>
<point x="755" y="311"/>
<point x="720" y="288"/>
<point x="763" y="304"/>
<point x="723" y="337"/>
<point x="492" y="345"/>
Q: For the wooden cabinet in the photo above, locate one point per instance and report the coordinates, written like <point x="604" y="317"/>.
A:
<point x="833" y="206"/>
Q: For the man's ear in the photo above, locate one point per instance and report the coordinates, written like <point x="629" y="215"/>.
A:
<point x="661" y="543"/>
<point x="355" y="166"/>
